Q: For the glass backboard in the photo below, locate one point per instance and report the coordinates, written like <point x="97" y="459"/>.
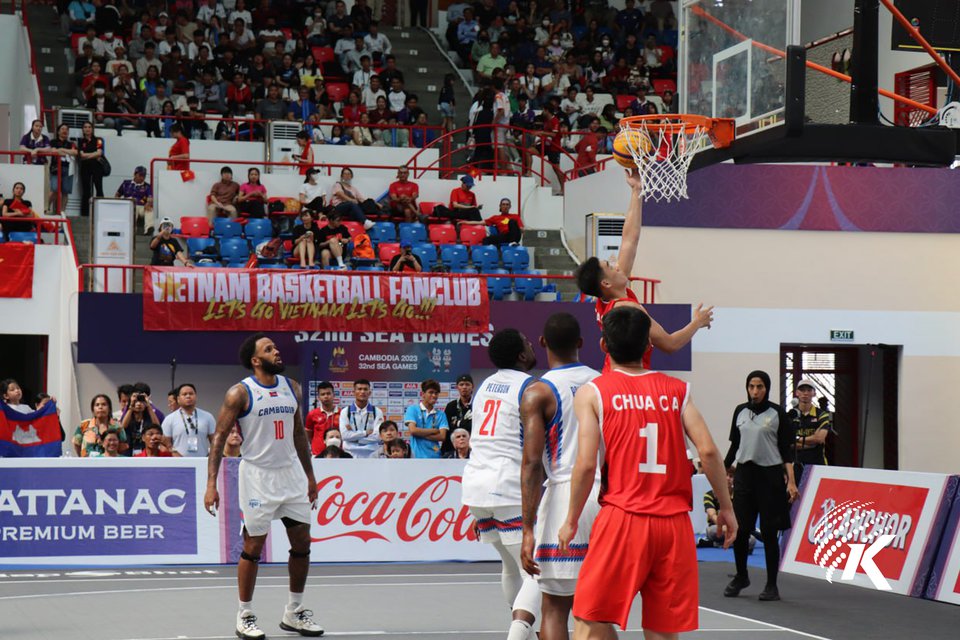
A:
<point x="729" y="62"/>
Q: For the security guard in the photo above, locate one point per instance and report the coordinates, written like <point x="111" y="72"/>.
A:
<point x="811" y="426"/>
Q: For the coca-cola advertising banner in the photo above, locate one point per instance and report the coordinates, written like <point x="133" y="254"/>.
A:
<point x="177" y="299"/>
<point x="872" y="528"/>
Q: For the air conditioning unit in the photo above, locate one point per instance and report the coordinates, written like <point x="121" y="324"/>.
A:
<point x="282" y="144"/>
<point x="73" y="118"/>
<point x="604" y="234"/>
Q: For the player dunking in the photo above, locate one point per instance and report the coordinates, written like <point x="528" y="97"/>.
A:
<point x="550" y="448"/>
<point x="491" y="479"/>
<point x="642" y="540"/>
<point x="609" y="282"/>
<point x="276" y="479"/>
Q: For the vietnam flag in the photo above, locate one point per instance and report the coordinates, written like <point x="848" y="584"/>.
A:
<point x="16" y="270"/>
<point x="30" y="435"/>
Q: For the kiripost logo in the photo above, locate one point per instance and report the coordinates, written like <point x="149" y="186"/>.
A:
<point x="842" y="535"/>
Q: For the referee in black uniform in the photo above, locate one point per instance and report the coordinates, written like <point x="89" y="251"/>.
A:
<point x="811" y="425"/>
<point x="761" y="444"/>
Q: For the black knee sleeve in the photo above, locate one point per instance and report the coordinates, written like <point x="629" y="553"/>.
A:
<point x="299" y="554"/>
<point x="289" y="523"/>
<point x="246" y="556"/>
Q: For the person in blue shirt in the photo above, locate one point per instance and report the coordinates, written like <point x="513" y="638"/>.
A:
<point x="81" y="15"/>
<point x="426" y="423"/>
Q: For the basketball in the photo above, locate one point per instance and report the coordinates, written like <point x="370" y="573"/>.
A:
<point x="630" y="139"/>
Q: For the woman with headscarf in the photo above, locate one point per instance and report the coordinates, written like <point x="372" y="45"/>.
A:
<point x="761" y="445"/>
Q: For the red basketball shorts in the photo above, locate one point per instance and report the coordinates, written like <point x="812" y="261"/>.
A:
<point x="654" y="556"/>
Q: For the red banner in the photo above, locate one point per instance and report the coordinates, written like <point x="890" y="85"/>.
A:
<point x="16" y="270"/>
<point x="176" y="299"/>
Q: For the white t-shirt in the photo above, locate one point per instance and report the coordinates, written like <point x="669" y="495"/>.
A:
<point x="370" y="97"/>
<point x="190" y="433"/>
<point x="312" y="191"/>
<point x="354" y="424"/>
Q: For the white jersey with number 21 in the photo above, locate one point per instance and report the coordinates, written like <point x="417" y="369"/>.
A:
<point x="492" y="475"/>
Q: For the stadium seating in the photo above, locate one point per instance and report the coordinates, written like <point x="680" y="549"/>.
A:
<point x="443" y="234"/>
<point x="426" y="208"/>
<point x="413" y="232"/>
<point x="194" y="227"/>
<point x="427" y="254"/>
<point x="338" y="91"/>
<point x="485" y="258"/>
<point x="353" y="227"/>
<point x="498" y="288"/>
<point x="386" y="251"/>
<point x="196" y="248"/>
<point x="23" y="236"/>
<point x="383" y="232"/>
<point x="226" y="228"/>
<point x="258" y="230"/>
<point x="528" y="287"/>
<point x="234" y="250"/>
<point x="472" y="234"/>
<point x="322" y="55"/>
<point x="454" y="256"/>
<point x="516" y="259"/>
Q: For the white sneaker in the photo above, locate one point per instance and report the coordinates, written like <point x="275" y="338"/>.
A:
<point x="247" y="628"/>
<point x="301" y="621"/>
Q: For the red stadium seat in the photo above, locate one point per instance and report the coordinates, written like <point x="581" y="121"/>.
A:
<point x="472" y="234"/>
<point x="442" y="234"/>
<point x="623" y="101"/>
<point x="353" y="226"/>
<point x="387" y="250"/>
<point x="338" y="91"/>
<point x="426" y="208"/>
<point x="323" y="54"/>
<point x="659" y="86"/>
<point x="194" y="227"/>
<point x="75" y="41"/>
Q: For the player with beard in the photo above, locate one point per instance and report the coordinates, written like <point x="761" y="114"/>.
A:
<point x="276" y="479"/>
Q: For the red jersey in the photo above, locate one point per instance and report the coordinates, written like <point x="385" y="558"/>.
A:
<point x="181" y="146"/>
<point x="603" y="308"/>
<point x="586" y="151"/>
<point x="462" y="196"/>
<point x="305" y="160"/>
<point x="318" y="421"/>
<point x="160" y="454"/>
<point x="404" y="189"/>
<point x="502" y="222"/>
<point x="645" y="467"/>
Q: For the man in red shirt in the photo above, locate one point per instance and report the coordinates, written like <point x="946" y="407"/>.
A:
<point x="586" y="162"/>
<point x="179" y="155"/>
<point x="609" y="281"/>
<point x="463" y="201"/>
<point x="403" y="196"/>
<point x="152" y="438"/>
<point x="642" y="540"/>
<point x="509" y="227"/>
<point x="548" y="142"/>
<point x="325" y="416"/>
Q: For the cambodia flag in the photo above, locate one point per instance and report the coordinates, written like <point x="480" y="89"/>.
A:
<point x="30" y="435"/>
<point x="16" y="270"/>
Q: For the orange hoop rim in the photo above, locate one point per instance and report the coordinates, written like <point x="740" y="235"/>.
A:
<point x="721" y="130"/>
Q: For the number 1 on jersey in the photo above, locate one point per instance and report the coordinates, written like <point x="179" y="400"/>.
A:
<point x="650" y="434"/>
<point x="490" y="410"/>
<point x="278" y="429"/>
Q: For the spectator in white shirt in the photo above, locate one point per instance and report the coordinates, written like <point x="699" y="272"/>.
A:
<point x="397" y="97"/>
<point x="241" y="13"/>
<point x="377" y="43"/>
<point x="189" y="430"/>
<point x="208" y="9"/>
<point x="98" y="48"/>
<point x="588" y="103"/>
<point x="360" y="423"/>
<point x="361" y="77"/>
<point x="372" y="92"/>
<point x="169" y="44"/>
<point x="570" y="106"/>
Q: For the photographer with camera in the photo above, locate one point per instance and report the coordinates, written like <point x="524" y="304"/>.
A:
<point x="140" y="415"/>
<point x="405" y="260"/>
<point x="166" y="248"/>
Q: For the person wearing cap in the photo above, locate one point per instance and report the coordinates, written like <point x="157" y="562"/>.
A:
<point x="463" y="201"/>
<point x="508" y="226"/>
<point x="312" y="194"/>
<point x="406" y="261"/>
<point x="461" y="445"/>
<point x="811" y="425"/>
<point x="460" y="410"/>
<point x="403" y="196"/>
<point x="166" y="248"/>
<point x="140" y="191"/>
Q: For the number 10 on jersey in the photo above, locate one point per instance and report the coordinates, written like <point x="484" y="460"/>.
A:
<point x="278" y="429"/>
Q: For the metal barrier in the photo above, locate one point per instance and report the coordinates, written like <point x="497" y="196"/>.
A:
<point x="648" y="284"/>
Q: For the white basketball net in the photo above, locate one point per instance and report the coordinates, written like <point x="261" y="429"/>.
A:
<point x="664" y="164"/>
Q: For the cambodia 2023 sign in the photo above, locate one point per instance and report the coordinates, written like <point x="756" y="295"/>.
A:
<point x="177" y="299"/>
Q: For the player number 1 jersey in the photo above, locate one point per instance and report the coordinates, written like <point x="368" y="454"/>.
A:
<point x="645" y="466"/>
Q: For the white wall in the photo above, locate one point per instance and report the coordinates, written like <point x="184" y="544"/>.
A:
<point x="49" y="313"/>
<point x="33" y="178"/>
<point x="18" y="86"/>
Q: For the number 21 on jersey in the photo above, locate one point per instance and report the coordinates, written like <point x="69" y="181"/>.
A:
<point x="649" y="433"/>
<point x="490" y="410"/>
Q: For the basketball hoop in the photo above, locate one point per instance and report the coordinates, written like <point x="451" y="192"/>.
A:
<point x="662" y="146"/>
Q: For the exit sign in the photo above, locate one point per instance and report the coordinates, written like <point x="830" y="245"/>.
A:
<point x="841" y="335"/>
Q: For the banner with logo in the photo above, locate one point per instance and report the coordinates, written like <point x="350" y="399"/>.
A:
<point x="944" y="582"/>
<point x="16" y="270"/>
<point x="176" y="299"/>
<point x="388" y="511"/>
<point x="104" y="511"/>
<point x="872" y="528"/>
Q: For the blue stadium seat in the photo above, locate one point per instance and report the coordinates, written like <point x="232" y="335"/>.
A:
<point x="454" y="256"/>
<point x="271" y="265"/>
<point x="371" y="267"/>
<point x="528" y="287"/>
<point x="196" y="246"/>
<point x="413" y="232"/>
<point x="516" y="259"/>
<point x="427" y="254"/>
<point x="465" y="270"/>
<point x="499" y="287"/>
<point x="258" y="229"/>
<point x="227" y="228"/>
<point x="486" y="258"/>
<point x="383" y="232"/>
<point x="234" y="250"/>
<point x="238" y="264"/>
<point x="23" y="236"/>
<point x="2" y="238"/>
